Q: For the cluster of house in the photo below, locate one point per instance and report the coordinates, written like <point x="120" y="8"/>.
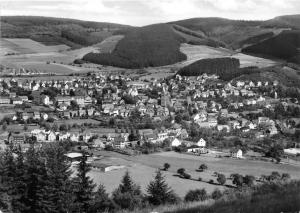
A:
<point x="104" y="95"/>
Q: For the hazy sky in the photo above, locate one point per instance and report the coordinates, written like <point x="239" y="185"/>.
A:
<point x="143" y="12"/>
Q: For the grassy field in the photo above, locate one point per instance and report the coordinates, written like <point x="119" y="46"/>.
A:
<point x="109" y="44"/>
<point x="142" y="175"/>
<point x="34" y="56"/>
<point x="77" y="121"/>
<point x="24" y="46"/>
<point x="142" y="169"/>
<point x="196" y="52"/>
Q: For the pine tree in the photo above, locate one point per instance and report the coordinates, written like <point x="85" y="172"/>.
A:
<point x="101" y="202"/>
<point x="159" y="192"/>
<point x="20" y="188"/>
<point x="128" y="195"/>
<point x="36" y="179"/>
<point x="59" y="179"/>
<point x="84" y="187"/>
<point x="5" y="183"/>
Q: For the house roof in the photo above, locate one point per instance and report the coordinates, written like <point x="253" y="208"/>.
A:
<point x="73" y="155"/>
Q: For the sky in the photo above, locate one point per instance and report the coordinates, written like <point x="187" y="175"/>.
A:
<point x="144" y="12"/>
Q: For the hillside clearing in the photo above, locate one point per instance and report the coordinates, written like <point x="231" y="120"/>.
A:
<point x="197" y="52"/>
<point x="23" y="46"/>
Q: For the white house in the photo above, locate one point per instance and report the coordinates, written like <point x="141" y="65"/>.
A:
<point x="237" y="153"/>
<point x="175" y="142"/>
<point x="51" y="137"/>
<point x="201" y="143"/>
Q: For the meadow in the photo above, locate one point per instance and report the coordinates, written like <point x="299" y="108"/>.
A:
<point x="143" y="167"/>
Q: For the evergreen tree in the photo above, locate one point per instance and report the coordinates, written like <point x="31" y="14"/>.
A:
<point x="5" y="182"/>
<point x="159" y="192"/>
<point x="20" y="187"/>
<point x="84" y="187"/>
<point x="59" y="173"/>
<point x="128" y="195"/>
<point x="36" y="179"/>
<point x="101" y="202"/>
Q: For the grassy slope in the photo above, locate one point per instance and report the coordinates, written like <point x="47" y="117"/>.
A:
<point x="195" y="38"/>
<point x="267" y="199"/>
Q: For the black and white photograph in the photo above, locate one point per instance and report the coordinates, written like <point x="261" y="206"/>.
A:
<point x="149" y="106"/>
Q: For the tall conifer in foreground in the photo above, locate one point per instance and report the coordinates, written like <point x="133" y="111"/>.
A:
<point x="128" y="195"/>
<point x="59" y="175"/>
<point x="83" y="187"/>
<point x="159" y="192"/>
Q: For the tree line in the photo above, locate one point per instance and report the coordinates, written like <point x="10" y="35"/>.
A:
<point x="41" y="180"/>
<point x="225" y="68"/>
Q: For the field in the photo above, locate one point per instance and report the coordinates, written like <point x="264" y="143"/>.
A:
<point x="77" y="121"/>
<point x="23" y="46"/>
<point x="196" y="52"/>
<point x="34" y="56"/>
<point x="109" y="44"/>
<point x="142" y="169"/>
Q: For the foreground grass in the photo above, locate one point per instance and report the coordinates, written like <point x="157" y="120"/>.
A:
<point x="267" y="198"/>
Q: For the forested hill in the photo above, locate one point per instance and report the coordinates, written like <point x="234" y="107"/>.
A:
<point x="235" y="34"/>
<point x="284" y="46"/>
<point x="52" y="31"/>
<point x="149" y="46"/>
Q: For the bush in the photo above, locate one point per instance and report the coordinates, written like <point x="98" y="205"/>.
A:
<point x="211" y="181"/>
<point x="166" y="166"/>
<point x="200" y="179"/>
<point x="196" y="195"/>
<point x="181" y="171"/>
<point x="221" y="179"/>
<point x="216" y="194"/>
<point x="202" y="167"/>
<point x="186" y="176"/>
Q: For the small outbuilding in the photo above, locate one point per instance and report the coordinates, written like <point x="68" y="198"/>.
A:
<point x="176" y="142"/>
<point x="236" y="153"/>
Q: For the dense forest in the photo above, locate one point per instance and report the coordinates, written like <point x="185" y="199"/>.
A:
<point x="149" y="46"/>
<point x="226" y="68"/>
<point x="284" y="46"/>
<point x="196" y="38"/>
<point x="257" y="38"/>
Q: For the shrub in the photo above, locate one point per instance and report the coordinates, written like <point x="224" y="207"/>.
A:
<point x="216" y="194"/>
<point x="186" y="176"/>
<point x="221" y="179"/>
<point x="166" y="166"/>
<point x="202" y="167"/>
<point x="211" y="181"/>
<point x="181" y="171"/>
<point x="196" y="195"/>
